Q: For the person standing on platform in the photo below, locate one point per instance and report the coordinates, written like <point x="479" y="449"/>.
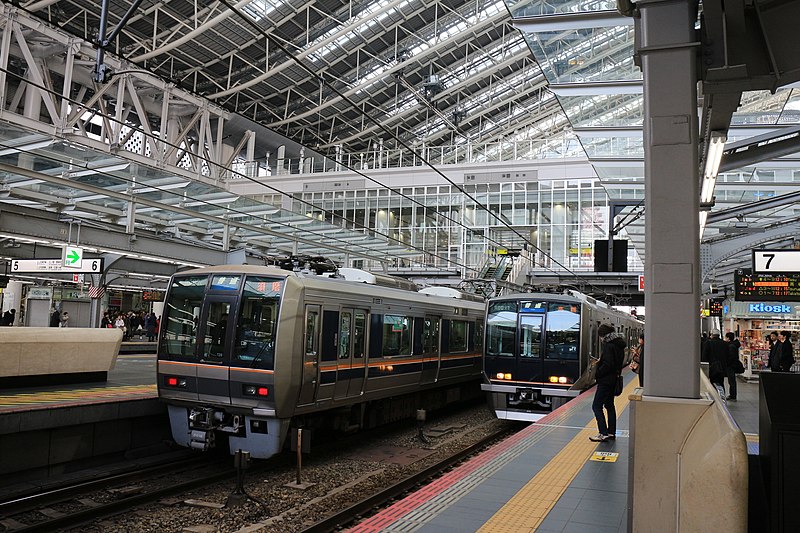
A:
<point x="717" y="353"/>
<point x="733" y="357"/>
<point x="150" y="326"/>
<point x="64" y="320"/>
<point x="612" y="358"/>
<point x="55" y="318"/>
<point x="638" y="360"/>
<point x="105" y="322"/>
<point x="786" y="351"/>
<point x="774" y="352"/>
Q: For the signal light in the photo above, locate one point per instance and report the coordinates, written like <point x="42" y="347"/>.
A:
<point x="172" y="382"/>
<point x="263" y="391"/>
<point x="553" y="379"/>
<point x="507" y="376"/>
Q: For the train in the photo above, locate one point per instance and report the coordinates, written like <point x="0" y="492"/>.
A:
<point x="247" y="353"/>
<point x="539" y="349"/>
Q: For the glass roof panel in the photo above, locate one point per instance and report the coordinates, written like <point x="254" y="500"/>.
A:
<point x="532" y="8"/>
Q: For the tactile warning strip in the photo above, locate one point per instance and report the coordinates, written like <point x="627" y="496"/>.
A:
<point x="423" y="505"/>
<point x="47" y="400"/>
<point x="529" y="507"/>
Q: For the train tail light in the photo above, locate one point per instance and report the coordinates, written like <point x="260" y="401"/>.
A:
<point x="173" y="381"/>
<point x="255" y="390"/>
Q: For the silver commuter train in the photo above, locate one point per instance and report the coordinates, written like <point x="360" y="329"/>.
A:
<point x="539" y="350"/>
<point x="248" y="351"/>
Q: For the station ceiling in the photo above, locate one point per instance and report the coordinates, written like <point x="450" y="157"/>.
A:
<point x="351" y="76"/>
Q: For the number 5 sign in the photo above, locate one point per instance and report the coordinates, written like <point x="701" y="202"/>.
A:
<point x="776" y="261"/>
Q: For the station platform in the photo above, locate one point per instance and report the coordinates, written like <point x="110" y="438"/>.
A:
<point x="50" y="430"/>
<point x="547" y="478"/>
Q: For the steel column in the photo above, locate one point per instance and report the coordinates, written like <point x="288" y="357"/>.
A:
<point x="668" y="48"/>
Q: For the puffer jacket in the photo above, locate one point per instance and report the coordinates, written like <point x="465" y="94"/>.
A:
<point x="612" y="359"/>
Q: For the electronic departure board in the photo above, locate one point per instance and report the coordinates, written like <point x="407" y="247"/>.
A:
<point x="751" y="287"/>
<point x="715" y="306"/>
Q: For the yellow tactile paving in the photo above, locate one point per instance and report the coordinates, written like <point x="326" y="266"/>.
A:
<point x="528" y="508"/>
<point x="91" y="394"/>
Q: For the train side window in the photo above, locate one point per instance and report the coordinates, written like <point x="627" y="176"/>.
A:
<point x="396" y="335"/>
<point x="458" y="336"/>
<point x="344" y="335"/>
<point x="181" y="317"/>
<point x="430" y="335"/>
<point x="359" y="334"/>
<point x="312" y="338"/>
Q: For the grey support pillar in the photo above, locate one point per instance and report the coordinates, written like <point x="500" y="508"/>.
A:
<point x="668" y="49"/>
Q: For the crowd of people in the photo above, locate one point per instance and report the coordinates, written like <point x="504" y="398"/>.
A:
<point x="133" y="324"/>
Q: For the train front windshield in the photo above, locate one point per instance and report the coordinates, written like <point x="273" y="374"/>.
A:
<point x="533" y="341"/>
<point x="226" y="319"/>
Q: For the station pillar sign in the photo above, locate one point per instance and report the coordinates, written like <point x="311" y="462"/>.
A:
<point x="641" y="283"/>
<point x="72" y="257"/>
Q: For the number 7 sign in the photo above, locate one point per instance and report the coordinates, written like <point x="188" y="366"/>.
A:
<point x="776" y="261"/>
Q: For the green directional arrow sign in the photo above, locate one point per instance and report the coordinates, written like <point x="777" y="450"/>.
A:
<point x="72" y="257"/>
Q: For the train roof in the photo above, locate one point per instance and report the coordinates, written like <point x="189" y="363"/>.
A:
<point x="364" y="279"/>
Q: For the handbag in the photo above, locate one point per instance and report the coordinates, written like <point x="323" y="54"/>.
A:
<point x="738" y="367"/>
<point x="619" y="385"/>
<point x="634" y="366"/>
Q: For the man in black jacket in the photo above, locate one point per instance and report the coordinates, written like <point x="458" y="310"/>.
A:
<point x="733" y="358"/>
<point x="612" y="357"/>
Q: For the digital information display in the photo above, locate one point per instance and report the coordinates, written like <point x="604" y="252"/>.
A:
<point x="749" y="287"/>
<point x="715" y="306"/>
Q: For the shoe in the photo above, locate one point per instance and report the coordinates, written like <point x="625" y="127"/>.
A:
<point x="598" y="438"/>
<point x="611" y="436"/>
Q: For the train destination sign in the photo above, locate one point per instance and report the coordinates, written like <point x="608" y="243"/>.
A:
<point x="753" y="287"/>
<point x="87" y="266"/>
<point x="776" y="261"/>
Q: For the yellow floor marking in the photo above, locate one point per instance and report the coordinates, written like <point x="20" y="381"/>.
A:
<point x="528" y="508"/>
<point x="29" y="398"/>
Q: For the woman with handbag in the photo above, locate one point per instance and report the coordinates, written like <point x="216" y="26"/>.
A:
<point x="609" y="368"/>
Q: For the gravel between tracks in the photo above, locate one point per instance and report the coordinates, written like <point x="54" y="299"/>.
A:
<point x="340" y="479"/>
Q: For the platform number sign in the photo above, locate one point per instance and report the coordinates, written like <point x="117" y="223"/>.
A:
<point x="776" y="261"/>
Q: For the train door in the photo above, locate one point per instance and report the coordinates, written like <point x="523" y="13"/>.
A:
<point x="531" y="362"/>
<point x="344" y="353"/>
<point x="359" y="362"/>
<point x="429" y="347"/>
<point x="215" y="332"/>
<point x="328" y="353"/>
<point x="308" y="387"/>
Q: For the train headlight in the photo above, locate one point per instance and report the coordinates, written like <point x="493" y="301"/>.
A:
<point x="500" y="375"/>
<point x="562" y="379"/>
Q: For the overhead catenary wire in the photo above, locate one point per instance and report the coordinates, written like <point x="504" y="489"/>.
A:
<point x="311" y="71"/>
<point x="422" y="251"/>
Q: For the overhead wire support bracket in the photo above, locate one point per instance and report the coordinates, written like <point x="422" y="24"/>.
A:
<point x="101" y="72"/>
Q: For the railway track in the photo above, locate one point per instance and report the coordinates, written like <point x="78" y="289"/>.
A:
<point x="377" y="501"/>
<point x="35" y="512"/>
